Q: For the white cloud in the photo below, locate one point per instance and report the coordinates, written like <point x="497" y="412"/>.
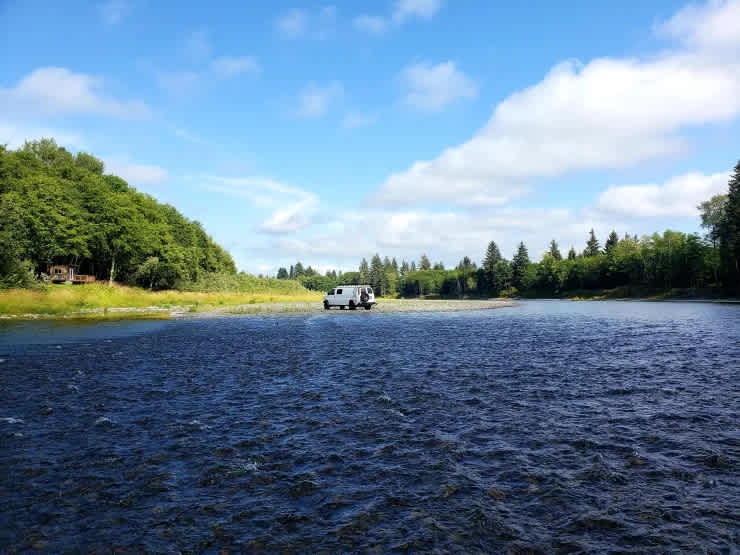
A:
<point x="301" y="23"/>
<point x="114" y="11"/>
<point x="432" y="87"/>
<point x="677" y="197"/>
<point x="231" y="66"/>
<point x="406" y="9"/>
<point x="713" y="26"/>
<point x="608" y="113"/>
<point x="58" y="91"/>
<point x="353" y="120"/>
<point x="291" y="208"/>
<point x="403" y="11"/>
<point x="136" y="174"/>
<point x="315" y="100"/>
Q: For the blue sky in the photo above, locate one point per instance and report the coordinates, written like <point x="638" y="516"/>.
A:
<point x="328" y="132"/>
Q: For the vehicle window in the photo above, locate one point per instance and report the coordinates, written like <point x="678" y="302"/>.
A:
<point x="370" y="290"/>
<point x="339" y="291"/>
<point x="331" y="292"/>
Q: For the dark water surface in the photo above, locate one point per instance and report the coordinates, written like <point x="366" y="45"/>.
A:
<point x="550" y="426"/>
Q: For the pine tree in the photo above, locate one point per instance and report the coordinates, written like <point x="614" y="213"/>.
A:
<point x="364" y="272"/>
<point x="519" y="264"/>
<point x="376" y="273"/>
<point x="611" y="242"/>
<point x="572" y="253"/>
<point x="394" y="264"/>
<point x="465" y="265"/>
<point x="412" y="268"/>
<point x="729" y="235"/>
<point x="282" y="273"/>
<point x="299" y="271"/>
<point x="404" y="268"/>
<point x="555" y="250"/>
<point x="592" y="246"/>
<point x="492" y="257"/>
<point x="291" y="272"/>
<point x="424" y="264"/>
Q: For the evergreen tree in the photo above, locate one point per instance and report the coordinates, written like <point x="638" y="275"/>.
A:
<point x="729" y="235"/>
<point x="501" y="276"/>
<point x="438" y="266"/>
<point x="364" y="272"/>
<point x="291" y="272"/>
<point x="412" y="268"/>
<point x="282" y="273"/>
<point x="572" y="253"/>
<point x="492" y="257"/>
<point x="424" y="264"/>
<point x="519" y="265"/>
<point x="299" y="271"/>
<point x="466" y="265"/>
<point x="376" y="273"/>
<point x="592" y="246"/>
<point x="387" y="264"/>
<point x="404" y="268"/>
<point x="611" y="243"/>
<point x="394" y="264"/>
<point x="555" y="250"/>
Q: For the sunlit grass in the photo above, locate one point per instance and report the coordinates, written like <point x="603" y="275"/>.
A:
<point x="63" y="299"/>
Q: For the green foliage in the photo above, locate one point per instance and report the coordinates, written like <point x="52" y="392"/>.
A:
<point x="592" y="245"/>
<point x="56" y="208"/>
<point x="555" y="250"/>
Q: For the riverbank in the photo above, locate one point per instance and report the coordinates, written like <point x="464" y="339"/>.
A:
<point x="254" y="306"/>
<point x="103" y="302"/>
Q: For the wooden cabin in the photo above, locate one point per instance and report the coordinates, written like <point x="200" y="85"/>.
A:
<point x="63" y="273"/>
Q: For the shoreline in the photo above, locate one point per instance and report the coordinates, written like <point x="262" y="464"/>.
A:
<point x="261" y="309"/>
<point x="288" y="308"/>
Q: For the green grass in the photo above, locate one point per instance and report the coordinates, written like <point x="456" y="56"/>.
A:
<point x="65" y="299"/>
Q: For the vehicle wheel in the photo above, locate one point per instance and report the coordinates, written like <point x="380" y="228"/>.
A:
<point x="368" y="307"/>
<point x="326" y="305"/>
<point x="352" y="305"/>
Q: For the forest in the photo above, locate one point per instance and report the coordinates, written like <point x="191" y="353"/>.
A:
<point x="624" y="266"/>
<point x="60" y="208"/>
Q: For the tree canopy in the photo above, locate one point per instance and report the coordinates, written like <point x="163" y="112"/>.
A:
<point x="58" y="208"/>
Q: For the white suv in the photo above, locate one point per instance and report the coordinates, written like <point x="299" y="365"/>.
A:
<point x="350" y="296"/>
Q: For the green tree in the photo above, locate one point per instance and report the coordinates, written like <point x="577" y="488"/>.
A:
<point x="424" y="264"/>
<point x="555" y="250"/>
<point x="364" y="272"/>
<point x="376" y="273"/>
<point x="592" y="245"/>
<point x="519" y="265"/>
<point x="729" y="233"/>
<point x="572" y="254"/>
<point x="282" y="273"/>
<point x="491" y="258"/>
<point x="611" y="243"/>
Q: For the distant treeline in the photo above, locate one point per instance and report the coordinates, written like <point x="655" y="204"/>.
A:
<point x="60" y="208"/>
<point x="656" y="262"/>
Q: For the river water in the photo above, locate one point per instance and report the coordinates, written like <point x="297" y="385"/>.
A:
<point x="551" y="426"/>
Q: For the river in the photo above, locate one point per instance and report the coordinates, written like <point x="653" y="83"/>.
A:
<point x="551" y="426"/>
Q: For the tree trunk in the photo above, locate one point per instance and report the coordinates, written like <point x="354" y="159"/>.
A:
<point x="112" y="271"/>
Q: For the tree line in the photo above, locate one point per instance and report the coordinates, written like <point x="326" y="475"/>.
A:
<point x="658" y="262"/>
<point x="60" y="208"/>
